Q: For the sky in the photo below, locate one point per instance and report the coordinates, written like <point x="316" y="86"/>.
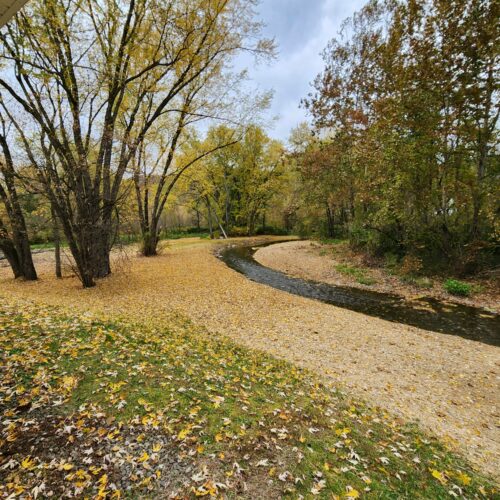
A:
<point x="302" y="29"/>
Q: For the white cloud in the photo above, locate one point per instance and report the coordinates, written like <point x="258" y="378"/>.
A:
<point x="302" y="29"/>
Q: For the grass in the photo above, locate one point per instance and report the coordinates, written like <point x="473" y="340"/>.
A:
<point x="418" y="281"/>
<point x="175" y="235"/>
<point x="115" y="401"/>
<point x="135" y="238"/>
<point x="455" y="287"/>
<point x="356" y="272"/>
<point x="45" y="246"/>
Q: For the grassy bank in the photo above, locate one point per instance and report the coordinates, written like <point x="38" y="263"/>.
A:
<point x="112" y="408"/>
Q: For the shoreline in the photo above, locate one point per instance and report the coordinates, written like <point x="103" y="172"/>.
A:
<point x="314" y="261"/>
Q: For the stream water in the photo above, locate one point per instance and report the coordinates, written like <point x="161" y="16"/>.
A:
<point x="427" y="313"/>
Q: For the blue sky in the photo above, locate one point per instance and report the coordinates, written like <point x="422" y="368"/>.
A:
<point x="302" y="28"/>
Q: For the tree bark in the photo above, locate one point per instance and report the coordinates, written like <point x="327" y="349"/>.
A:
<point x="9" y="251"/>
<point x="330" y="221"/>
<point x="10" y="199"/>
<point x="56" y="235"/>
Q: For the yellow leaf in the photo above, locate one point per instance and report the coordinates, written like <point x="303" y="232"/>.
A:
<point x="464" y="478"/>
<point x="439" y="476"/>
<point x="352" y="493"/>
<point x="27" y="463"/>
<point x="184" y="433"/>
<point x="345" y="430"/>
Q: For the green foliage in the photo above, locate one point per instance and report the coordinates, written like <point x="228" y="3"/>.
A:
<point x="459" y="288"/>
<point x="239" y="183"/>
<point x="418" y="281"/>
<point x="238" y="231"/>
<point x="332" y="241"/>
<point x="276" y="231"/>
<point x="190" y="232"/>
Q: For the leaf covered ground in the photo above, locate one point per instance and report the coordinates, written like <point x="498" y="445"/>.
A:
<point x="105" y="408"/>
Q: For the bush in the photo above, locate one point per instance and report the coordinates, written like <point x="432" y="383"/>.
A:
<point x="455" y="287"/>
<point x="331" y="241"/>
<point x="411" y="265"/>
<point x="238" y="231"/>
<point x="423" y="282"/>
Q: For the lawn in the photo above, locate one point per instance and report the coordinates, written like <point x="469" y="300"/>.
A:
<point x="108" y="408"/>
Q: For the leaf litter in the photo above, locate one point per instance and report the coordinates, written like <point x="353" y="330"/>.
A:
<point x="101" y="404"/>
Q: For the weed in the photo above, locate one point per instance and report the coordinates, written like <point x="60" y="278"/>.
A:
<point x="459" y="288"/>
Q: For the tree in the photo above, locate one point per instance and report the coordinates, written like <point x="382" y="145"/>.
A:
<point x="92" y="78"/>
<point x="406" y="111"/>
<point x="15" y="243"/>
<point x="238" y="182"/>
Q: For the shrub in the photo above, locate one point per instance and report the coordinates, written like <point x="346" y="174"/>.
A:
<point x="391" y="260"/>
<point x="332" y="241"/>
<point x="238" y="231"/>
<point x="456" y="287"/>
<point x="365" y="280"/>
<point x="276" y="231"/>
<point x="424" y="282"/>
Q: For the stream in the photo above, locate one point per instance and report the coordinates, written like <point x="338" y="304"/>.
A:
<point x="427" y="313"/>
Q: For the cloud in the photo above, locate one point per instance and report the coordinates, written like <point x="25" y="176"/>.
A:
<point x="302" y="28"/>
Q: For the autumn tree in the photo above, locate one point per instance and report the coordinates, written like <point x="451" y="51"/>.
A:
<point x="406" y="111"/>
<point x="237" y="183"/>
<point x="85" y="83"/>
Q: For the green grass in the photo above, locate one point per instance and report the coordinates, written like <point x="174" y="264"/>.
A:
<point x="44" y="246"/>
<point x="175" y="235"/>
<point x="418" y="281"/>
<point x="134" y="238"/>
<point x="211" y="402"/>
<point x="459" y="288"/>
<point x="356" y="272"/>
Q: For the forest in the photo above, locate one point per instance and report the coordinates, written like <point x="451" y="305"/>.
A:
<point x="100" y="137"/>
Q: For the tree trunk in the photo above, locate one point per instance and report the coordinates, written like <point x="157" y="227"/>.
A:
<point x="28" y="268"/>
<point x="330" y="222"/>
<point x="10" y="199"/>
<point x="150" y="243"/>
<point x="17" y="249"/>
<point x="209" y="218"/>
<point x="10" y="253"/>
<point x="56" y="235"/>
